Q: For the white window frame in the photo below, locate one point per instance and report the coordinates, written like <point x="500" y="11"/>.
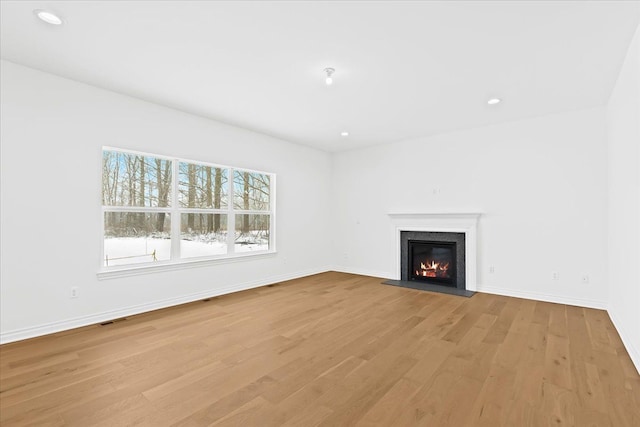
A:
<point x="175" y="213"/>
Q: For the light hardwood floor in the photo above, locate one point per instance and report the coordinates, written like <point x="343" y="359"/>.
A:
<point x="329" y="350"/>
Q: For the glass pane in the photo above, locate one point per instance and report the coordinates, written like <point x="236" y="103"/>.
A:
<point x="136" y="237"/>
<point x="203" y="235"/>
<point x="135" y="180"/>
<point x="251" y="191"/>
<point x="252" y="233"/>
<point x="202" y="186"/>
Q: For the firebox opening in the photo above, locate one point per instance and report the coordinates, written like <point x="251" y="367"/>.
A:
<point x="433" y="262"/>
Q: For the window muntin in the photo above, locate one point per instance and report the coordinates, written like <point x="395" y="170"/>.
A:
<point x="162" y="209"/>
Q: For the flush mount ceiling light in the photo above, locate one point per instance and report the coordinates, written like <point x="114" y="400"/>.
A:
<point x="329" y="80"/>
<point x="48" y="17"/>
<point x="344" y="133"/>
<point x="494" y="101"/>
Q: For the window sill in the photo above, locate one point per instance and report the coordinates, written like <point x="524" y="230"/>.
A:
<point x="126" y="271"/>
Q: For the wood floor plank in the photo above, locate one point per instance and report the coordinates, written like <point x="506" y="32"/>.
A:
<point x="557" y="369"/>
<point x="331" y="349"/>
<point x="387" y="409"/>
<point x="492" y="405"/>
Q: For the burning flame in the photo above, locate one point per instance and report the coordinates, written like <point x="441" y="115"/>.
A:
<point x="433" y="269"/>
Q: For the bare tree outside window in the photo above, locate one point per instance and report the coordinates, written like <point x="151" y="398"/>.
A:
<point x="252" y="197"/>
<point x="135" y="181"/>
<point x="216" y="211"/>
<point x="203" y="197"/>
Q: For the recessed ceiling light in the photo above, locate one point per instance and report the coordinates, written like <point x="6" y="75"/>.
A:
<point x="494" y="101"/>
<point x="344" y="133"/>
<point x="48" y="17"/>
<point x="329" y="80"/>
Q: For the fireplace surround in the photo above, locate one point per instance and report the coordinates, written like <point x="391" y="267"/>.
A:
<point x="461" y="223"/>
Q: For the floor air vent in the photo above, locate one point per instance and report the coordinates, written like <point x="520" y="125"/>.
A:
<point x="109" y="322"/>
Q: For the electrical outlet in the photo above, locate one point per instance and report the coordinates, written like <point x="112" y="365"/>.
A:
<point x="492" y="269"/>
<point x="555" y="275"/>
<point x="584" y="279"/>
<point x="74" y="292"/>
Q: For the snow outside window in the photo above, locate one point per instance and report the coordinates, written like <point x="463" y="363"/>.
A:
<point x="163" y="210"/>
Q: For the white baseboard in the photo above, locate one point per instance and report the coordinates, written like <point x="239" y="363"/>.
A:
<point x="626" y="337"/>
<point x="64" y="325"/>
<point x="362" y="272"/>
<point x="601" y="305"/>
<point x="558" y="299"/>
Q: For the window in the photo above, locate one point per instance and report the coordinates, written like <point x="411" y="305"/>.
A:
<point x="166" y="210"/>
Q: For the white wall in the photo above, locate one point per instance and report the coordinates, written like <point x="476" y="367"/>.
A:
<point x="623" y="125"/>
<point x="541" y="184"/>
<point x="52" y="133"/>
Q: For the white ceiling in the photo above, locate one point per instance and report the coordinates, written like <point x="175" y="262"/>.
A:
<point x="403" y="69"/>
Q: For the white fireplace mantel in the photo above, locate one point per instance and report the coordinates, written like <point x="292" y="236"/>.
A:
<point x="448" y="222"/>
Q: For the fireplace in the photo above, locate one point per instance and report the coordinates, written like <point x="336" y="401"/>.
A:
<point x="432" y="262"/>
<point x="443" y="229"/>
<point x="433" y="258"/>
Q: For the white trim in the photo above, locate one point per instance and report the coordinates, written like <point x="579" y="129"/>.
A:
<point x="77" y="322"/>
<point x="136" y="153"/>
<point x="446" y="222"/>
<point x="231" y="217"/>
<point x="99" y="199"/>
<point x="626" y="337"/>
<point x="175" y="216"/>
<point x="362" y="272"/>
<point x="149" y="209"/>
<point x="558" y="299"/>
<point x="250" y="212"/>
<point x="141" y="269"/>
<point x="205" y="211"/>
<point x="179" y="159"/>
<point x="272" y="217"/>
<point x="490" y="290"/>
<point x="435" y="215"/>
